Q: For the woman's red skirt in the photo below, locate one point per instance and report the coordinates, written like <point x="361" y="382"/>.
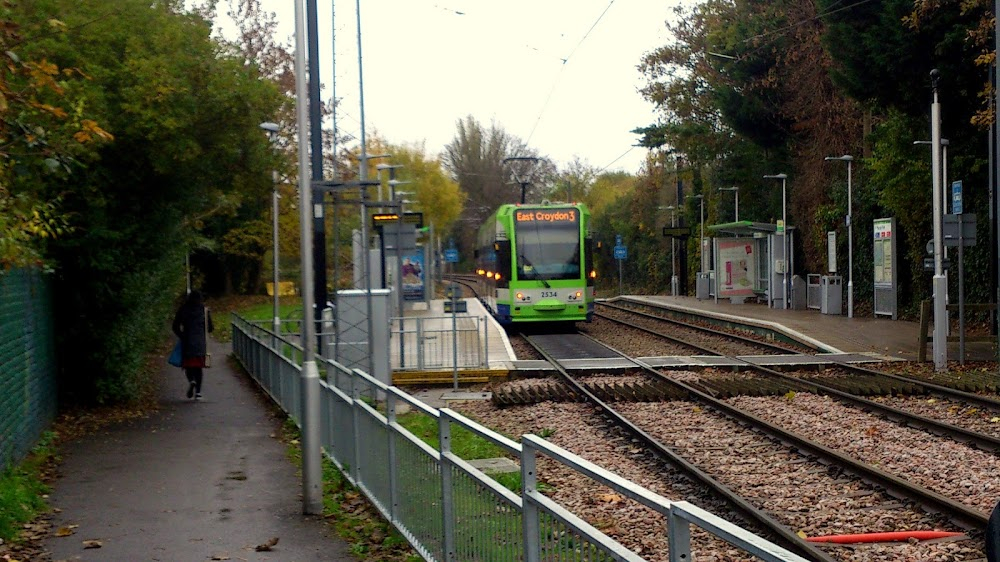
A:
<point x="197" y="362"/>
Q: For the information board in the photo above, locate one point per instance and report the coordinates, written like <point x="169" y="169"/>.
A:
<point x="884" y="261"/>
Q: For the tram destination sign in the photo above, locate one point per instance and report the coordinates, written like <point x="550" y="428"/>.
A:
<point x="546" y="215"/>
<point x="676" y="232"/>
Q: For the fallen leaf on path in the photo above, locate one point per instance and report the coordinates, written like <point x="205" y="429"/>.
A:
<point x="92" y="544"/>
<point x="266" y="547"/>
<point x="220" y="557"/>
<point x="64" y="531"/>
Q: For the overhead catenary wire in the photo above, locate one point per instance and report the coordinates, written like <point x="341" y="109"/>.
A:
<point x="562" y="68"/>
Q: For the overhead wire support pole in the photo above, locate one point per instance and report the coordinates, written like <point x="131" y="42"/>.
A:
<point x="524" y="182"/>
<point x="316" y="160"/>
<point x="940" y="281"/>
<point x="312" y="473"/>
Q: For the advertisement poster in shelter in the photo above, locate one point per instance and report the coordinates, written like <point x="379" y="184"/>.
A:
<point x="413" y="276"/>
<point x="738" y="268"/>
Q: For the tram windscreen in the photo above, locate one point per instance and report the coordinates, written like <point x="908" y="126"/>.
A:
<point x="547" y="243"/>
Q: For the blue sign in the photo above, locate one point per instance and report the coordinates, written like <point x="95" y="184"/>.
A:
<point x="618" y="240"/>
<point x="956" y="197"/>
<point x="621" y="252"/>
<point x="451" y="255"/>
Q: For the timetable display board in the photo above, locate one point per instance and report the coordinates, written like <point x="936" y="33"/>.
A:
<point x="884" y="261"/>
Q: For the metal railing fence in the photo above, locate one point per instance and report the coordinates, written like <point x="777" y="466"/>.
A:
<point x="446" y="508"/>
<point x="430" y="342"/>
<point x="28" y="393"/>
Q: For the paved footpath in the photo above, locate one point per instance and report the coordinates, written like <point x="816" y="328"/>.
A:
<point x="195" y="481"/>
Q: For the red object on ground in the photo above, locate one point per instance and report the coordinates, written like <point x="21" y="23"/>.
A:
<point x="884" y="537"/>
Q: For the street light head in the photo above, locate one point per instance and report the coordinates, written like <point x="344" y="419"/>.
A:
<point x="776" y="176"/>
<point x="733" y="188"/>
<point x="388" y="166"/>
<point x="844" y="158"/>
<point x="269" y="127"/>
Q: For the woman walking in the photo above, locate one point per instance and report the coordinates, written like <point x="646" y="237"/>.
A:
<point x="192" y="324"/>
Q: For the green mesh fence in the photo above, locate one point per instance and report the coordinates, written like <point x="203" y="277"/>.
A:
<point x="27" y="362"/>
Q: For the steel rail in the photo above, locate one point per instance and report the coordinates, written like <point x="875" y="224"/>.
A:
<point x="933" y="501"/>
<point x="675" y="339"/>
<point x="971" y="397"/>
<point x="788" y="537"/>
<point x="979" y="440"/>
<point x="748" y="340"/>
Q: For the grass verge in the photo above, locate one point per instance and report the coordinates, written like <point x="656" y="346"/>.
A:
<point x="23" y="490"/>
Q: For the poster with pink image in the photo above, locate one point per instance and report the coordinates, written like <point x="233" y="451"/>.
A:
<point x="738" y="268"/>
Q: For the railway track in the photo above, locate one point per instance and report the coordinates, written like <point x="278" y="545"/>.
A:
<point x="647" y="386"/>
<point x="695" y="336"/>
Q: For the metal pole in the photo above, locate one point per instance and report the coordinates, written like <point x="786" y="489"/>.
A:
<point x="850" y="247"/>
<point x="993" y="171"/>
<point x="316" y="155"/>
<point x="274" y="220"/>
<point x="620" y="277"/>
<point x="363" y="175"/>
<point x="784" y="239"/>
<point x="940" y="282"/>
<point x="454" y="335"/>
<point x="737" y="203"/>
<point x="961" y="295"/>
<point x="399" y="270"/>
<point x="701" y="239"/>
<point x="673" y="255"/>
<point x="312" y="475"/>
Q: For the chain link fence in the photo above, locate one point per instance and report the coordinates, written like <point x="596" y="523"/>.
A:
<point x="28" y="396"/>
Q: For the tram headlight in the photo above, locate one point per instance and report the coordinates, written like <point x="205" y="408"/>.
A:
<point x="520" y="296"/>
<point x="579" y="294"/>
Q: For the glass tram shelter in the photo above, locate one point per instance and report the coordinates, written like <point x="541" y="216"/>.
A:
<point x="749" y="263"/>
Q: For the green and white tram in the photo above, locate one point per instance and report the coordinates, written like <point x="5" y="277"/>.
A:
<point x="534" y="263"/>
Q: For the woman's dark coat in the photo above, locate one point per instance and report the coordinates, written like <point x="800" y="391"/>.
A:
<point x="189" y="325"/>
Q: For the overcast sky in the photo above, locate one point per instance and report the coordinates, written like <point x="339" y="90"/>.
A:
<point x="560" y="74"/>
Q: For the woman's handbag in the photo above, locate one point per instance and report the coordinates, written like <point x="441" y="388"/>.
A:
<point x="176" y="359"/>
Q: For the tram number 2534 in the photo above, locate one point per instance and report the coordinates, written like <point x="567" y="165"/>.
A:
<point x="547" y="294"/>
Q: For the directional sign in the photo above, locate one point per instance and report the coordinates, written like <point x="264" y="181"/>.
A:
<point x="621" y="252"/>
<point x="678" y="232"/>
<point x="451" y="255"/>
<point x="956" y="197"/>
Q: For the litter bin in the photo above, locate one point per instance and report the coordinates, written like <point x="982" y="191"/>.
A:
<point x="703" y="287"/>
<point x="831" y="295"/>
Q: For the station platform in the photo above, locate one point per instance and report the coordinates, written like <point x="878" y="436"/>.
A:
<point x="429" y="348"/>
<point x="893" y="339"/>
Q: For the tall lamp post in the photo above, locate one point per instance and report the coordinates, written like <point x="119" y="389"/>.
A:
<point x="312" y="456"/>
<point x="272" y="134"/>
<point x="850" y="236"/>
<point x="736" y="191"/>
<point x="784" y="234"/>
<point x="701" y="238"/>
